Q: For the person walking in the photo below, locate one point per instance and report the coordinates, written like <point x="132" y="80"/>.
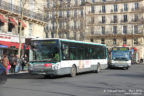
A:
<point x="5" y="62"/>
<point x="23" y="63"/>
<point x="13" y="62"/>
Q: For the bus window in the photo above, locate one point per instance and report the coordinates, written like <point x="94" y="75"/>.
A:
<point x="81" y="53"/>
<point x="65" y="51"/>
<point x="72" y="52"/>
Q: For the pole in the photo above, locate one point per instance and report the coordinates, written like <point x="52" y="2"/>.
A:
<point x="56" y="19"/>
<point x="20" y="29"/>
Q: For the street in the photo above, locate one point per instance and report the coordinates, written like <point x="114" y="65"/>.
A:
<point x="109" y="82"/>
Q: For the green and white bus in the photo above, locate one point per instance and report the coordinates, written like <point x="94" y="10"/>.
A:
<point x="62" y="56"/>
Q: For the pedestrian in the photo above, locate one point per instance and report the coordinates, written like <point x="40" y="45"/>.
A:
<point x="18" y="63"/>
<point x="13" y="62"/>
<point x="5" y="62"/>
<point x="23" y="63"/>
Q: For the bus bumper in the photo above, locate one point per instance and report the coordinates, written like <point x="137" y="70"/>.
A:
<point x="62" y="71"/>
<point x="119" y="65"/>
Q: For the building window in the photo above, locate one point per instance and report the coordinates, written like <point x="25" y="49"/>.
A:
<point x="81" y="12"/>
<point x="60" y="13"/>
<point x="61" y="3"/>
<point x="102" y="41"/>
<point x="115" y="8"/>
<point x="135" y="41"/>
<point x="103" y="19"/>
<point x="124" y="29"/>
<point x="30" y="29"/>
<point x="103" y="30"/>
<point x="11" y="4"/>
<point x="83" y="1"/>
<point x="68" y="14"/>
<point x="135" y="17"/>
<point x="114" y="29"/>
<point x="10" y="26"/>
<point x="93" y="1"/>
<point x="75" y="25"/>
<point x="1" y="24"/>
<point x="136" y="4"/>
<point x="114" y="41"/>
<point x="135" y="29"/>
<point x="91" y="40"/>
<point x="76" y="2"/>
<point x="104" y="0"/>
<point x="75" y="13"/>
<point x="92" y="31"/>
<point x="92" y="20"/>
<point x="115" y="19"/>
<point x="125" y="18"/>
<point x="92" y="9"/>
<point x="124" y="41"/>
<point x="103" y="9"/>
<point x="125" y="7"/>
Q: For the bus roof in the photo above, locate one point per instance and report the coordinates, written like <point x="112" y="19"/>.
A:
<point x="67" y="40"/>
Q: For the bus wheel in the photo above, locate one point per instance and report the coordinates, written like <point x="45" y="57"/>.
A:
<point x="49" y="76"/>
<point x="98" y="68"/>
<point x="126" y="68"/>
<point x="73" y="71"/>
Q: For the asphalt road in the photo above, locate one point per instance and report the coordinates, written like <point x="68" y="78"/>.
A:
<point x="115" y="82"/>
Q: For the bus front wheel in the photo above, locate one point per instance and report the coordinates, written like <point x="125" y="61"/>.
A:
<point x="73" y="71"/>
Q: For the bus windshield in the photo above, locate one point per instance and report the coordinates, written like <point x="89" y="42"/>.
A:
<point x="45" y="50"/>
<point x="121" y="55"/>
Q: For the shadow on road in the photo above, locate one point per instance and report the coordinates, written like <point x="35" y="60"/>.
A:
<point x="129" y="75"/>
<point x="29" y="76"/>
<point x="24" y="76"/>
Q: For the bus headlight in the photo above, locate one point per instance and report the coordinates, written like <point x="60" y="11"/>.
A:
<point x="56" y="66"/>
<point x="30" y="66"/>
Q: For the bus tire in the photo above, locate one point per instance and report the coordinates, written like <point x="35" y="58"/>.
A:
<point x="49" y="76"/>
<point x="98" y="68"/>
<point x="73" y="71"/>
<point x="126" y="68"/>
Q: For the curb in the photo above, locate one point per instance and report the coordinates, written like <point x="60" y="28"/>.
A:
<point x="21" y="72"/>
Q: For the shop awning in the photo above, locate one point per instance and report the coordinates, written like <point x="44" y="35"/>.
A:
<point x="3" y="46"/>
<point x="13" y="45"/>
<point x="2" y="19"/>
<point x="12" y="21"/>
<point x="23" y="24"/>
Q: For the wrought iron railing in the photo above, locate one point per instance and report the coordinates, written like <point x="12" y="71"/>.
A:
<point x="17" y="9"/>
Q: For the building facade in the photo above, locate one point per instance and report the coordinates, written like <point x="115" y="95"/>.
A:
<point x="10" y="18"/>
<point x="116" y="23"/>
<point x="65" y="19"/>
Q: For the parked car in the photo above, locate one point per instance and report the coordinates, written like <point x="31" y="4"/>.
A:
<point x="3" y="74"/>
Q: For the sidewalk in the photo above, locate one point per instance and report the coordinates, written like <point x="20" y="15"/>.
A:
<point x="20" y="72"/>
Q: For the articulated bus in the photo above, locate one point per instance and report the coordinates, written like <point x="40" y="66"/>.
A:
<point x="120" y="57"/>
<point x="61" y="56"/>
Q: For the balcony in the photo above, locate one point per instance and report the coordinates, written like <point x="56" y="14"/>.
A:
<point x="114" y="1"/>
<point x="109" y="34"/>
<point x="4" y="6"/>
<point x="114" y="21"/>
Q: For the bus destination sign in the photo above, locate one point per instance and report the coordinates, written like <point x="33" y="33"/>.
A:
<point x="120" y="48"/>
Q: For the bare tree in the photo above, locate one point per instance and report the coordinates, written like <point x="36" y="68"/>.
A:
<point x="23" y="2"/>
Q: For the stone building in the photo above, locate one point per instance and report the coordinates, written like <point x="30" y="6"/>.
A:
<point x="65" y="19"/>
<point x="116" y="23"/>
<point x="32" y="24"/>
